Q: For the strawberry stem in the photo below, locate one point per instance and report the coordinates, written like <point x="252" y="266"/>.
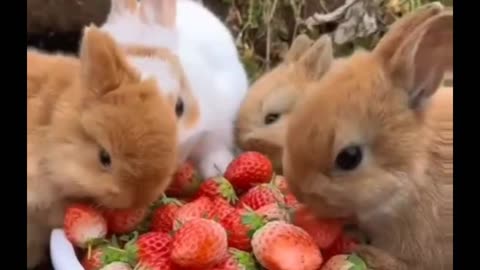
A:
<point x="272" y="180"/>
<point x="89" y="251"/>
<point x="217" y="169"/>
<point x="226" y="190"/>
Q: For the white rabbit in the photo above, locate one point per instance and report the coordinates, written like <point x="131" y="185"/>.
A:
<point x="208" y="86"/>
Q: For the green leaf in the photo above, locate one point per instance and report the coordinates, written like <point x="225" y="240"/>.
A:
<point x="358" y="263"/>
<point x="95" y="242"/>
<point x="133" y="237"/>
<point x="244" y="258"/>
<point x="167" y="200"/>
<point x="253" y="221"/>
<point x="124" y="238"/>
<point x="112" y="254"/>
<point x="114" y="241"/>
<point x="226" y="189"/>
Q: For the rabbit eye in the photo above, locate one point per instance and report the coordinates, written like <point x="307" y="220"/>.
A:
<point x="179" y="107"/>
<point x="104" y="158"/>
<point x="349" y="158"/>
<point x="271" y="118"/>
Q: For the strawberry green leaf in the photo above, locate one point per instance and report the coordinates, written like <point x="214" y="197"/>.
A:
<point x="96" y="242"/>
<point x="253" y="221"/>
<point x="132" y="238"/>
<point x="272" y="180"/>
<point x="245" y="259"/>
<point x="114" y="241"/>
<point x="124" y="238"/>
<point x="113" y="254"/>
<point x="227" y="190"/>
<point x="358" y="263"/>
<point x="167" y="200"/>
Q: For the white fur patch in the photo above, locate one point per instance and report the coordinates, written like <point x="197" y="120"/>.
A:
<point x="160" y="70"/>
<point x="130" y="30"/>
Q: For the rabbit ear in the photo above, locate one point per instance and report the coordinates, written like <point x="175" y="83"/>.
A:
<point x="419" y="63"/>
<point x="120" y="7"/>
<point x="161" y="12"/>
<point x="103" y="66"/>
<point x="401" y="29"/>
<point x="318" y="58"/>
<point x="299" y="45"/>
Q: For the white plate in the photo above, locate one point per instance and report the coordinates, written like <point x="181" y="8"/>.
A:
<point x="62" y="252"/>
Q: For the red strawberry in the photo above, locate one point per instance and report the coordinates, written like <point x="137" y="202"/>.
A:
<point x="345" y="262"/>
<point x="150" y="246"/>
<point x="237" y="260"/>
<point x="249" y="169"/>
<point x="274" y="211"/>
<point x="218" y="187"/>
<point x="125" y="220"/>
<point x="291" y="201"/>
<point x="342" y="245"/>
<point x="281" y="183"/>
<point x="94" y="260"/>
<point x="323" y="231"/>
<point x="200" y="208"/>
<point x="185" y="181"/>
<point x="164" y="216"/>
<point x="240" y="226"/>
<point x="117" y="266"/>
<point x="83" y="224"/>
<point x="157" y="264"/>
<point x="261" y="195"/>
<point x="200" y="243"/>
<point x="282" y="246"/>
<point x="221" y="208"/>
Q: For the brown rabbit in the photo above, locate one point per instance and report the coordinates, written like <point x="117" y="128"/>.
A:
<point x="261" y="122"/>
<point x="373" y="140"/>
<point x="96" y="132"/>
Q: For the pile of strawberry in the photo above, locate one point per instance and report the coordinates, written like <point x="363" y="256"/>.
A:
<point x="244" y="220"/>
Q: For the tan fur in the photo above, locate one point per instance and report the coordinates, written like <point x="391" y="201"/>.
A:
<point x="192" y="113"/>
<point x="76" y="107"/>
<point x="388" y="103"/>
<point x="277" y="92"/>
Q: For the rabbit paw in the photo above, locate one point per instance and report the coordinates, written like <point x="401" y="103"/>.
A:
<point x="214" y="164"/>
<point x="377" y="259"/>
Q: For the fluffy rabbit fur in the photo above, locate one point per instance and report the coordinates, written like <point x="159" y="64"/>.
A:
<point x="214" y="81"/>
<point x="263" y="115"/>
<point x="96" y="132"/>
<point x="373" y="139"/>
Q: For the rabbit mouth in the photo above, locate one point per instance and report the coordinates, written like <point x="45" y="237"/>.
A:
<point x="327" y="208"/>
